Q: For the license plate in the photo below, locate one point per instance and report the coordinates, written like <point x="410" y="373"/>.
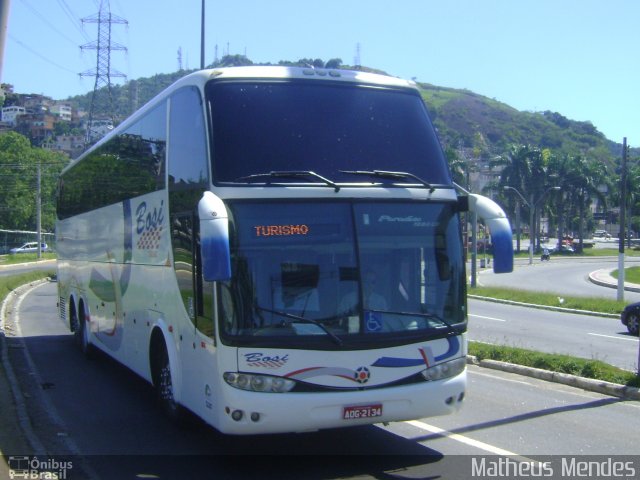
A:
<point x="362" y="411"/>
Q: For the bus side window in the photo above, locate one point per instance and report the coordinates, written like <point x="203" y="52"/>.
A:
<point x="196" y="293"/>
<point x="188" y="177"/>
<point x="183" y="240"/>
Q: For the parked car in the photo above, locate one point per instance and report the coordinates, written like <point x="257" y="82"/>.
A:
<point x="564" y="250"/>
<point x="629" y="317"/>
<point x="601" y="234"/>
<point x="29" y="247"/>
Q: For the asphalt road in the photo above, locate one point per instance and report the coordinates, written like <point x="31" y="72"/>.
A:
<point x="560" y="275"/>
<point x="15" y="269"/>
<point x="584" y="336"/>
<point x="105" y="420"/>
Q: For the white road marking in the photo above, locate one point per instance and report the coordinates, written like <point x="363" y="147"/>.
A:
<point x="482" y="374"/>
<point x="488" y="318"/>
<point x="466" y="440"/>
<point x="614" y="337"/>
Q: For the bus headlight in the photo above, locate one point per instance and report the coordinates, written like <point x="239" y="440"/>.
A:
<point x="445" y="370"/>
<point x="258" y="383"/>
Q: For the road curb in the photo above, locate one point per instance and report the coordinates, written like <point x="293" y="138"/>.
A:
<point x="589" y="384"/>
<point x="22" y="417"/>
<point x="603" y="278"/>
<point x="37" y="262"/>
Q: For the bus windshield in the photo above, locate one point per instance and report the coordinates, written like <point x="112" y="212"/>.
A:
<point x="329" y="129"/>
<point x="342" y="273"/>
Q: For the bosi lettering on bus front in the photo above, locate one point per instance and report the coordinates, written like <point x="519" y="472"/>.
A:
<point x="259" y="359"/>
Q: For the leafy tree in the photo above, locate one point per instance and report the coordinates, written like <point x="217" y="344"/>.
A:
<point x="333" y="63"/>
<point x="18" y="168"/>
<point x="233" y="61"/>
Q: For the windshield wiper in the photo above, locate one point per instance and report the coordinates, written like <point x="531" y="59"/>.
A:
<point x="391" y="175"/>
<point x="298" y="319"/>
<point x="292" y="174"/>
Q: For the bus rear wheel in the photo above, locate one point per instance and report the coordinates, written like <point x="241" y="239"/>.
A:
<point x="80" y="331"/>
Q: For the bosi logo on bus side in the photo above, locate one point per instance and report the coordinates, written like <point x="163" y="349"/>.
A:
<point x="149" y="225"/>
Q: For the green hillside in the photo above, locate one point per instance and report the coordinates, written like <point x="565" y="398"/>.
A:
<point x="463" y="118"/>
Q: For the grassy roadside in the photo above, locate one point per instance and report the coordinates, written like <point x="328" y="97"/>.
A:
<point x="595" y="369"/>
<point x="10" y="283"/>
<point x="631" y="274"/>
<point x="594" y="304"/>
<point x="556" y="363"/>
<point x="25" y="257"/>
<point x="609" y="252"/>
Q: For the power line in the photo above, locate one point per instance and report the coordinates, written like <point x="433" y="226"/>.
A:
<point x="48" y="60"/>
<point x="73" y="18"/>
<point x="46" y="21"/>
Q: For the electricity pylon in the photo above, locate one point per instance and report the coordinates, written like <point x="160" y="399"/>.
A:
<point x="103" y="71"/>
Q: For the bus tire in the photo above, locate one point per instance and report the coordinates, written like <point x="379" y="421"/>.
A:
<point x="82" y="333"/>
<point x="162" y="382"/>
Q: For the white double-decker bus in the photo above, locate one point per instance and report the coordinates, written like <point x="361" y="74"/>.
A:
<point x="276" y="250"/>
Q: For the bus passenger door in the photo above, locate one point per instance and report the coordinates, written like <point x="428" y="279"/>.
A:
<point x="197" y="344"/>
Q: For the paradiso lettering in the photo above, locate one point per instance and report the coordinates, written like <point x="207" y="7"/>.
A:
<point x="280" y="230"/>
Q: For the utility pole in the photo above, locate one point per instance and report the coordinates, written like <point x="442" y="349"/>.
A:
<point x="202" y="38"/>
<point x="4" y="19"/>
<point x="623" y="202"/>
<point x="474" y="249"/>
<point x="39" y="210"/>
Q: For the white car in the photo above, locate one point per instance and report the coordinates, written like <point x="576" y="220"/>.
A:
<point x="29" y="247"/>
<point x="601" y="234"/>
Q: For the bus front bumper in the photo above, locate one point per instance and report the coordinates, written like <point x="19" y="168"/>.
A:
<point x="247" y="413"/>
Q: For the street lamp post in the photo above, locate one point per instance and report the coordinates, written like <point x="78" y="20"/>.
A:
<point x="532" y="207"/>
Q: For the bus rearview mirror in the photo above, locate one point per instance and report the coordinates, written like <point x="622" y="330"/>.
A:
<point x="214" y="238"/>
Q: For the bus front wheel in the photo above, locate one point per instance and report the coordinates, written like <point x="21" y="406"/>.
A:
<point x="163" y="383"/>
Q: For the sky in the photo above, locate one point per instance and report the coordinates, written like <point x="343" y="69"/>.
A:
<point x="575" y="57"/>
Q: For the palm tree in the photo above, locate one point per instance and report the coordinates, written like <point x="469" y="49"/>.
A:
<point x="561" y="168"/>
<point x="581" y="180"/>
<point x="457" y="166"/>
<point x="593" y="174"/>
<point x="525" y="170"/>
<point x="633" y="194"/>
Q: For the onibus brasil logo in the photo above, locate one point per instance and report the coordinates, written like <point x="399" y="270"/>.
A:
<point x="34" y="468"/>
